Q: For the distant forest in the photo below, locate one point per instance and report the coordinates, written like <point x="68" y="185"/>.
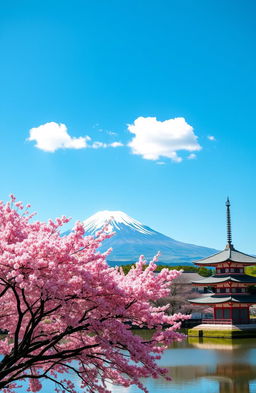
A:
<point x="203" y="271"/>
<point x="251" y="270"/>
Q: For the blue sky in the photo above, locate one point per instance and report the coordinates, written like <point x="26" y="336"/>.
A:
<point x="105" y="70"/>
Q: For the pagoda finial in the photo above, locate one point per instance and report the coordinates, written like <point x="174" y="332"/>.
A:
<point x="229" y="235"/>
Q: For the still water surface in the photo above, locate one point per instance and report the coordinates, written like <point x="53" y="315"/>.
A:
<point x="201" y="366"/>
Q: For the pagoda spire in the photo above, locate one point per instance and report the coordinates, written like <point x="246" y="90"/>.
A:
<point x="229" y="234"/>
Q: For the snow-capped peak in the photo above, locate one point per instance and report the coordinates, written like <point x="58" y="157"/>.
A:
<point x="114" y="219"/>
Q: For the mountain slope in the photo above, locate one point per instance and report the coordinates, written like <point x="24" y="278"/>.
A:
<point x="132" y="239"/>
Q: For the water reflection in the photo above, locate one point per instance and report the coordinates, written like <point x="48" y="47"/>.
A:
<point x="234" y="371"/>
<point x="201" y="365"/>
<point x="207" y="366"/>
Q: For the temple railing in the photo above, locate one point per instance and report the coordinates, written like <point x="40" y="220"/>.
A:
<point x="225" y="321"/>
<point x="217" y="321"/>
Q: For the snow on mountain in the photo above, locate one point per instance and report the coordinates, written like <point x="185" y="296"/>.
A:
<point x="114" y="219"/>
<point x="133" y="239"/>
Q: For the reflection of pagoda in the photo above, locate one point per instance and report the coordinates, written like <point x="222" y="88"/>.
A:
<point x="233" y="378"/>
<point x="231" y="300"/>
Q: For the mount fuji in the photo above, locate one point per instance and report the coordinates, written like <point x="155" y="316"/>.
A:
<point x="133" y="239"/>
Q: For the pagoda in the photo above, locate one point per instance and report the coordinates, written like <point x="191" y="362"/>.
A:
<point x="230" y="297"/>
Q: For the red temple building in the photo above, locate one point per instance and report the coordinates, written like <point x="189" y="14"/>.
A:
<point x="230" y="297"/>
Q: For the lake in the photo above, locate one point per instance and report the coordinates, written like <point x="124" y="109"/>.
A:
<point x="201" y="366"/>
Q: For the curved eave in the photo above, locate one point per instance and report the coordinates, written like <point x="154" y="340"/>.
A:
<point x="229" y="254"/>
<point x="214" y="264"/>
<point x="239" y="278"/>
<point x="208" y="301"/>
<point x="224" y="299"/>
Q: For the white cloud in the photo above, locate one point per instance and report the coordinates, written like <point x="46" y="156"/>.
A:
<point x="154" y="139"/>
<point x="192" y="156"/>
<point x="112" y="133"/>
<point x="211" y="138"/>
<point x="115" y="144"/>
<point x="53" y="136"/>
<point x="98" y="145"/>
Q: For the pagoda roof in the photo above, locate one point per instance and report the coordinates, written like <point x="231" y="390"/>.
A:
<point x="239" y="278"/>
<point x="228" y="254"/>
<point x="216" y="299"/>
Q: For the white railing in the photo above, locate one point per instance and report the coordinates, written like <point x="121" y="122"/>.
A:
<point x="226" y="321"/>
<point x="217" y="321"/>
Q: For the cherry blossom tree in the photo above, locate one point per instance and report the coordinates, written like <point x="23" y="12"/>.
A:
<point x="181" y="289"/>
<point x="67" y="312"/>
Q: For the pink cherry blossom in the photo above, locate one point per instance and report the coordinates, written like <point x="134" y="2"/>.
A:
<point x="67" y="311"/>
